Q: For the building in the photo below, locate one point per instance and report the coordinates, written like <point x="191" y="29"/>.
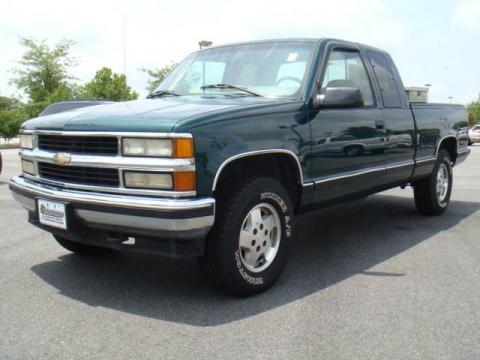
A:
<point x="417" y="94"/>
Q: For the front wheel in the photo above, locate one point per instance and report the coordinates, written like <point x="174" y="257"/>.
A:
<point x="246" y="250"/>
<point x="432" y="194"/>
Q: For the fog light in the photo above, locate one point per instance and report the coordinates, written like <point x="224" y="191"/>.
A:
<point x="148" y="180"/>
<point x="27" y="167"/>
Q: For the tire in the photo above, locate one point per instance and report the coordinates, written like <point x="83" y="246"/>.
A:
<point x="353" y="150"/>
<point x="246" y="250"/>
<point x="432" y="194"/>
<point x="79" y="248"/>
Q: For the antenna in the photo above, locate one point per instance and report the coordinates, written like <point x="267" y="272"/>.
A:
<point x="124" y="33"/>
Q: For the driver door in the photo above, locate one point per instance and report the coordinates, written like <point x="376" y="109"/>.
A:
<point x="348" y="144"/>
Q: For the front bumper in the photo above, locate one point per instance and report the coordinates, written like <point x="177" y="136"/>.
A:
<point x="169" y="226"/>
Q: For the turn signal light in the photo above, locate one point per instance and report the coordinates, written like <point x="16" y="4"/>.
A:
<point x="184" y="181"/>
<point x="183" y="148"/>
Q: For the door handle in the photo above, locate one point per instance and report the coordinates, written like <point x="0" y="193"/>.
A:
<point x="380" y="125"/>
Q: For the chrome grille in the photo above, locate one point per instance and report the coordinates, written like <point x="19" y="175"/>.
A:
<point x="102" y="145"/>
<point x="92" y="161"/>
<point x="93" y="176"/>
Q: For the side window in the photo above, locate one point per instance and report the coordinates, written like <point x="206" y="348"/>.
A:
<point x="386" y="80"/>
<point x="346" y="68"/>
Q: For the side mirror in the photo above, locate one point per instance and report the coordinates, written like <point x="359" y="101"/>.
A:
<point x="340" y="97"/>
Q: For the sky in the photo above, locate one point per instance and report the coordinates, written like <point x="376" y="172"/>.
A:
<point x="432" y="42"/>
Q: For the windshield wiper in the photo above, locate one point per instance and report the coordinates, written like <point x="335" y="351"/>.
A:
<point x="161" y="93"/>
<point x="230" y="86"/>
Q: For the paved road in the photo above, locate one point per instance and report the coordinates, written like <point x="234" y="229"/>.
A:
<point x="366" y="280"/>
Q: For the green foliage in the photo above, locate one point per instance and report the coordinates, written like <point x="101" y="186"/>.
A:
<point x="43" y="74"/>
<point x="12" y="115"/>
<point x="474" y="112"/>
<point x="7" y="103"/>
<point x="10" y="122"/>
<point x="157" y="75"/>
<point x="108" y="85"/>
<point x="43" y="71"/>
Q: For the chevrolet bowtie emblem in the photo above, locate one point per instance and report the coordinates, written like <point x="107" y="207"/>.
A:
<point x="62" y="159"/>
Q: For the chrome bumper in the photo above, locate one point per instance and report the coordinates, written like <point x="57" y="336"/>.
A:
<point x="152" y="216"/>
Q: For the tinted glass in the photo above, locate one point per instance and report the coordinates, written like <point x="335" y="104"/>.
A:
<point x="204" y="72"/>
<point x="386" y="80"/>
<point x="346" y="69"/>
<point x="271" y="69"/>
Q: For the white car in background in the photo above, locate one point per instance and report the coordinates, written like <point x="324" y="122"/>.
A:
<point x="474" y="135"/>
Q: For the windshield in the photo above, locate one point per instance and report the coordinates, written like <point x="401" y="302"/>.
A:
<point x="268" y="69"/>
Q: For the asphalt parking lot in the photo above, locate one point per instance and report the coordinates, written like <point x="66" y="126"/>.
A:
<point x="366" y="280"/>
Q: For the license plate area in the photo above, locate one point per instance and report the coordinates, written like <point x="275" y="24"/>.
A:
<point x="52" y="213"/>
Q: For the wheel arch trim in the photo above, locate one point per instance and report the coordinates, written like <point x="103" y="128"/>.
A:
<point x="445" y="138"/>
<point x="290" y="153"/>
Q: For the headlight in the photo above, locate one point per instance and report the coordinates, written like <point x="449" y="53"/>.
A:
<point x="176" y="148"/>
<point x="147" y="147"/>
<point x="148" y="180"/>
<point x="27" y="167"/>
<point x="26" y="141"/>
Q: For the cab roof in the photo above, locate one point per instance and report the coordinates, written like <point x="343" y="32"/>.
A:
<point x="311" y="40"/>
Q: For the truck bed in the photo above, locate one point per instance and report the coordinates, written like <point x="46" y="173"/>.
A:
<point x="436" y="121"/>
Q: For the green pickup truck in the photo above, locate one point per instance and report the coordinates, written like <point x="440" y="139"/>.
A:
<point x="235" y="142"/>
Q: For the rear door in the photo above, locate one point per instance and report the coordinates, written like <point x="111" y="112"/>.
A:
<point x="397" y="116"/>
<point x="347" y="154"/>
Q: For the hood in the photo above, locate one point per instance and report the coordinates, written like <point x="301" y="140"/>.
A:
<point x="147" y="115"/>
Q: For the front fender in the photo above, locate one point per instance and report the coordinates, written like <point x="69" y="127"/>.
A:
<point x="221" y="141"/>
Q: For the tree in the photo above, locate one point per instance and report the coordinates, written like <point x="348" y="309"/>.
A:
<point x="44" y="72"/>
<point x="10" y="122"/>
<point x="157" y="75"/>
<point x="474" y="112"/>
<point x="108" y="85"/>
<point x="8" y="103"/>
<point x="12" y="115"/>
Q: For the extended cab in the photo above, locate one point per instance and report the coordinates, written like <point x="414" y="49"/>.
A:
<point x="234" y="142"/>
